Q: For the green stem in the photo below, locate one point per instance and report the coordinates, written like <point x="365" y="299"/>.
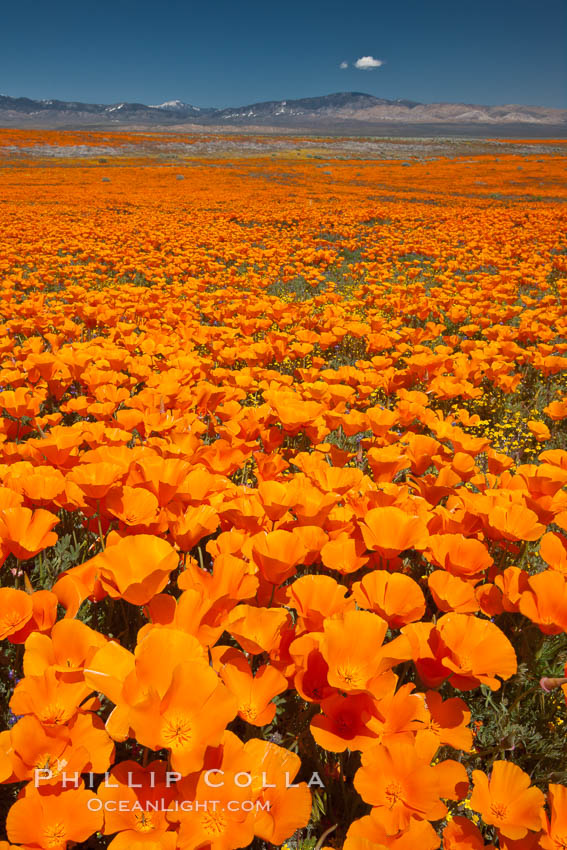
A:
<point x="100" y="526"/>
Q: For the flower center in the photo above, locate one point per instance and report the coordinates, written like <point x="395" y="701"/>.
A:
<point x="249" y="712"/>
<point x="214" y="823"/>
<point x="498" y="810"/>
<point x="11" y="620"/>
<point x="177" y="732"/>
<point x="144" y="822"/>
<point x="47" y="761"/>
<point x="350" y="676"/>
<point x="53" y="713"/>
<point x="55" y="835"/>
<point x="393" y="793"/>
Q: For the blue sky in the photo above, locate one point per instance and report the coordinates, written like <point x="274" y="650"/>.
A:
<point x="221" y="53"/>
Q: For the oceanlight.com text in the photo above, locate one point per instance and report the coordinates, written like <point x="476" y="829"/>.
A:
<point x="162" y="805"/>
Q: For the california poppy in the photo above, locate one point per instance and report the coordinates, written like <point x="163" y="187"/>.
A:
<point x="135" y="568"/>
<point x="390" y="530"/>
<point x="53" y="820"/>
<point x="507" y="800"/>
<point x="555" y="826"/>
<point x="395" y="597"/>
<point x="25" y="532"/>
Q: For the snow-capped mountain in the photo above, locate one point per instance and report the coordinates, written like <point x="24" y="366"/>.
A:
<point x="340" y="112"/>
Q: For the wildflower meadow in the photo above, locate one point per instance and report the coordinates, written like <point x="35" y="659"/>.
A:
<point x="283" y="504"/>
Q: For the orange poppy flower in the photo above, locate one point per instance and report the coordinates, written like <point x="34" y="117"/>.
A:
<point x="96" y="479"/>
<point x="257" y="629"/>
<point x="16" y="610"/>
<point x="512" y="582"/>
<point x="462" y="834"/>
<point x="539" y="429"/>
<point x="192" y="714"/>
<point x="50" y="821"/>
<point x="277" y="554"/>
<point x="489" y="599"/>
<point x="391" y="530"/>
<point x="381" y="420"/>
<point x="553" y="550"/>
<point x="351" y="647"/>
<point x="67" y="650"/>
<point x="230" y="575"/>
<point x="9" y="498"/>
<point x="25" y="533"/>
<point x="7" y="773"/>
<point x="43" y="488"/>
<point x="160" y="476"/>
<point x="293" y="413"/>
<point x="514" y="522"/>
<point x="545" y="602"/>
<point x="395" y="597"/>
<point x="75" y="585"/>
<point x="52" y="701"/>
<point x="285" y="806"/>
<point x="218" y="818"/>
<point x="258" y="777"/>
<point x="310" y="676"/>
<point x="459" y="555"/>
<point x="344" y="722"/>
<point x="157" y="654"/>
<point x="386" y="462"/>
<point x="331" y="479"/>
<point x="192" y="525"/>
<point x="134" y="800"/>
<point x="20" y="402"/>
<point x="451" y="593"/>
<point x="555" y="826"/>
<point x="35" y="748"/>
<point x="399" y="783"/>
<point x="401" y="710"/>
<point x="478" y="651"/>
<point x="107" y="671"/>
<point x="344" y="554"/>
<point x="369" y="833"/>
<point x="469" y="650"/>
<point x="132" y="505"/>
<point x="81" y="745"/>
<point x="276" y="498"/>
<point x="254" y="693"/>
<point x="315" y="598"/>
<point x="312" y="506"/>
<point x="506" y="800"/>
<point x="313" y="538"/>
<point x="193" y="612"/>
<point x="530" y="842"/>
<point x="135" y="568"/>
<point x="447" y="723"/>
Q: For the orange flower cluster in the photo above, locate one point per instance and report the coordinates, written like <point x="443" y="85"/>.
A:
<point x="253" y="405"/>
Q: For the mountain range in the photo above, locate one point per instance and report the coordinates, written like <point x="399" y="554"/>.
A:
<point x="340" y="112"/>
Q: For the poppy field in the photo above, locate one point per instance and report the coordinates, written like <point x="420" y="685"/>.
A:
<point x="283" y="502"/>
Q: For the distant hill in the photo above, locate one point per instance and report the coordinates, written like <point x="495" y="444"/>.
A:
<point x="340" y="112"/>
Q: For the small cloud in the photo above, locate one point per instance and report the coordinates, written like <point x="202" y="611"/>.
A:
<point x="343" y="65"/>
<point x="367" y="63"/>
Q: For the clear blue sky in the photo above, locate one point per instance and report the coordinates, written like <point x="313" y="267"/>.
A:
<point x="234" y="52"/>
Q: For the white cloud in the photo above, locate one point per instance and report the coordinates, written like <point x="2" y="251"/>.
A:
<point x="343" y="65"/>
<point x="367" y="63"/>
